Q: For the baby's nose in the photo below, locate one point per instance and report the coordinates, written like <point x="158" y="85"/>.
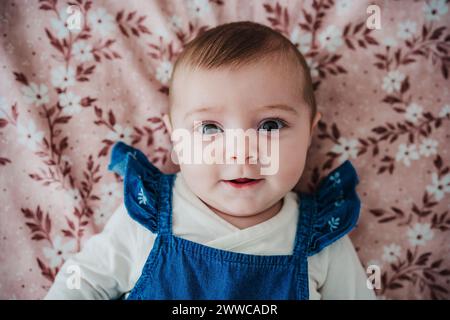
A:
<point x="248" y="159"/>
<point x="241" y="152"/>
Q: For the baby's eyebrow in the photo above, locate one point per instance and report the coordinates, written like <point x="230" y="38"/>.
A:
<point x="279" y="106"/>
<point x="284" y="107"/>
<point x="202" y="110"/>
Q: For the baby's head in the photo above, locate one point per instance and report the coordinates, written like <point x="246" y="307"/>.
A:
<point x="248" y="76"/>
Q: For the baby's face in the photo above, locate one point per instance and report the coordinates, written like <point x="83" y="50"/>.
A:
<point x="239" y="99"/>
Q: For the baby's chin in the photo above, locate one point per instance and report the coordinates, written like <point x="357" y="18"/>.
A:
<point x="240" y="208"/>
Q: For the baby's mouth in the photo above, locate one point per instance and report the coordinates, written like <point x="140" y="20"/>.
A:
<point x="243" y="182"/>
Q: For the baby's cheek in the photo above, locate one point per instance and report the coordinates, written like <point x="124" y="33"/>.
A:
<point x="292" y="163"/>
<point x="197" y="176"/>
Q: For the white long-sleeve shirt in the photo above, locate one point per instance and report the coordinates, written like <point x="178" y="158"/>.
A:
<point x="111" y="262"/>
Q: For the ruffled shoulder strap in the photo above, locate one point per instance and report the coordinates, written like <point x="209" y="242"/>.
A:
<point x="336" y="207"/>
<point x="147" y="190"/>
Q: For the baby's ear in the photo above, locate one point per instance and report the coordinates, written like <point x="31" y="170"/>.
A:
<point x="173" y="153"/>
<point x="167" y="123"/>
<point x="316" y="120"/>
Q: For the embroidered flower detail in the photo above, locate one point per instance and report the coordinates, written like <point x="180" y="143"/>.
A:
<point x="335" y="178"/>
<point x="339" y="199"/>
<point x="141" y="197"/>
<point x="333" y="223"/>
<point x="133" y="155"/>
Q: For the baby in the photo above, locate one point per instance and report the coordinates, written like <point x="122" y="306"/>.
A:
<point x="225" y="230"/>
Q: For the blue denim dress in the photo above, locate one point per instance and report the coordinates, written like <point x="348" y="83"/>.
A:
<point x="178" y="268"/>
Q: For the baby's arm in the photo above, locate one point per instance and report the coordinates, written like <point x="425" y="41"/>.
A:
<point x="110" y="262"/>
<point x="345" y="277"/>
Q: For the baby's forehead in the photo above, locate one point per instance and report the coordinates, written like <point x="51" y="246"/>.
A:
<point x="261" y="77"/>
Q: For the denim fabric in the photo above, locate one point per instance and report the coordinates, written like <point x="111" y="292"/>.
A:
<point x="177" y="268"/>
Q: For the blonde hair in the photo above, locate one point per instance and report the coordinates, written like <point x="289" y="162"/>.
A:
<point x="239" y="43"/>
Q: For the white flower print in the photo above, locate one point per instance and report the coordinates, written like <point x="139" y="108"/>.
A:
<point x="435" y="9"/>
<point x="74" y="194"/>
<point x="29" y="135"/>
<point x="406" y="153"/>
<point x="393" y="81"/>
<point x="445" y="111"/>
<point x="164" y="72"/>
<point x="101" y="21"/>
<point x="331" y="38"/>
<point x="391" y="252"/>
<point x="66" y="159"/>
<point x="82" y="51"/>
<point x="313" y="65"/>
<point x="60" y="24"/>
<point x="10" y="48"/>
<point x="34" y="288"/>
<point x="347" y="148"/>
<point x="102" y="215"/>
<point x="420" y="234"/>
<point x="120" y="133"/>
<point x="413" y="112"/>
<point x="70" y="103"/>
<point x="198" y="8"/>
<point x="301" y="41"/>
<point x="62" y="77"/>
<point x="110" y="192"/>
<point x="175" y="22"/>
<point x="389" y="42"/>
<point x="439" y="187"/>
<point x="428" y="147"/>
<point x="406" y="29"/>
<point x="59" y="252"/>
<point x="35" y="94"/>
<point x="161" y="31"/>
<point x="343" y="6"/>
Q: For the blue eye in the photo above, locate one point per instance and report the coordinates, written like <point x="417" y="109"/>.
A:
<point x="272" y="124"/>
<point x="210" y="128"/>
